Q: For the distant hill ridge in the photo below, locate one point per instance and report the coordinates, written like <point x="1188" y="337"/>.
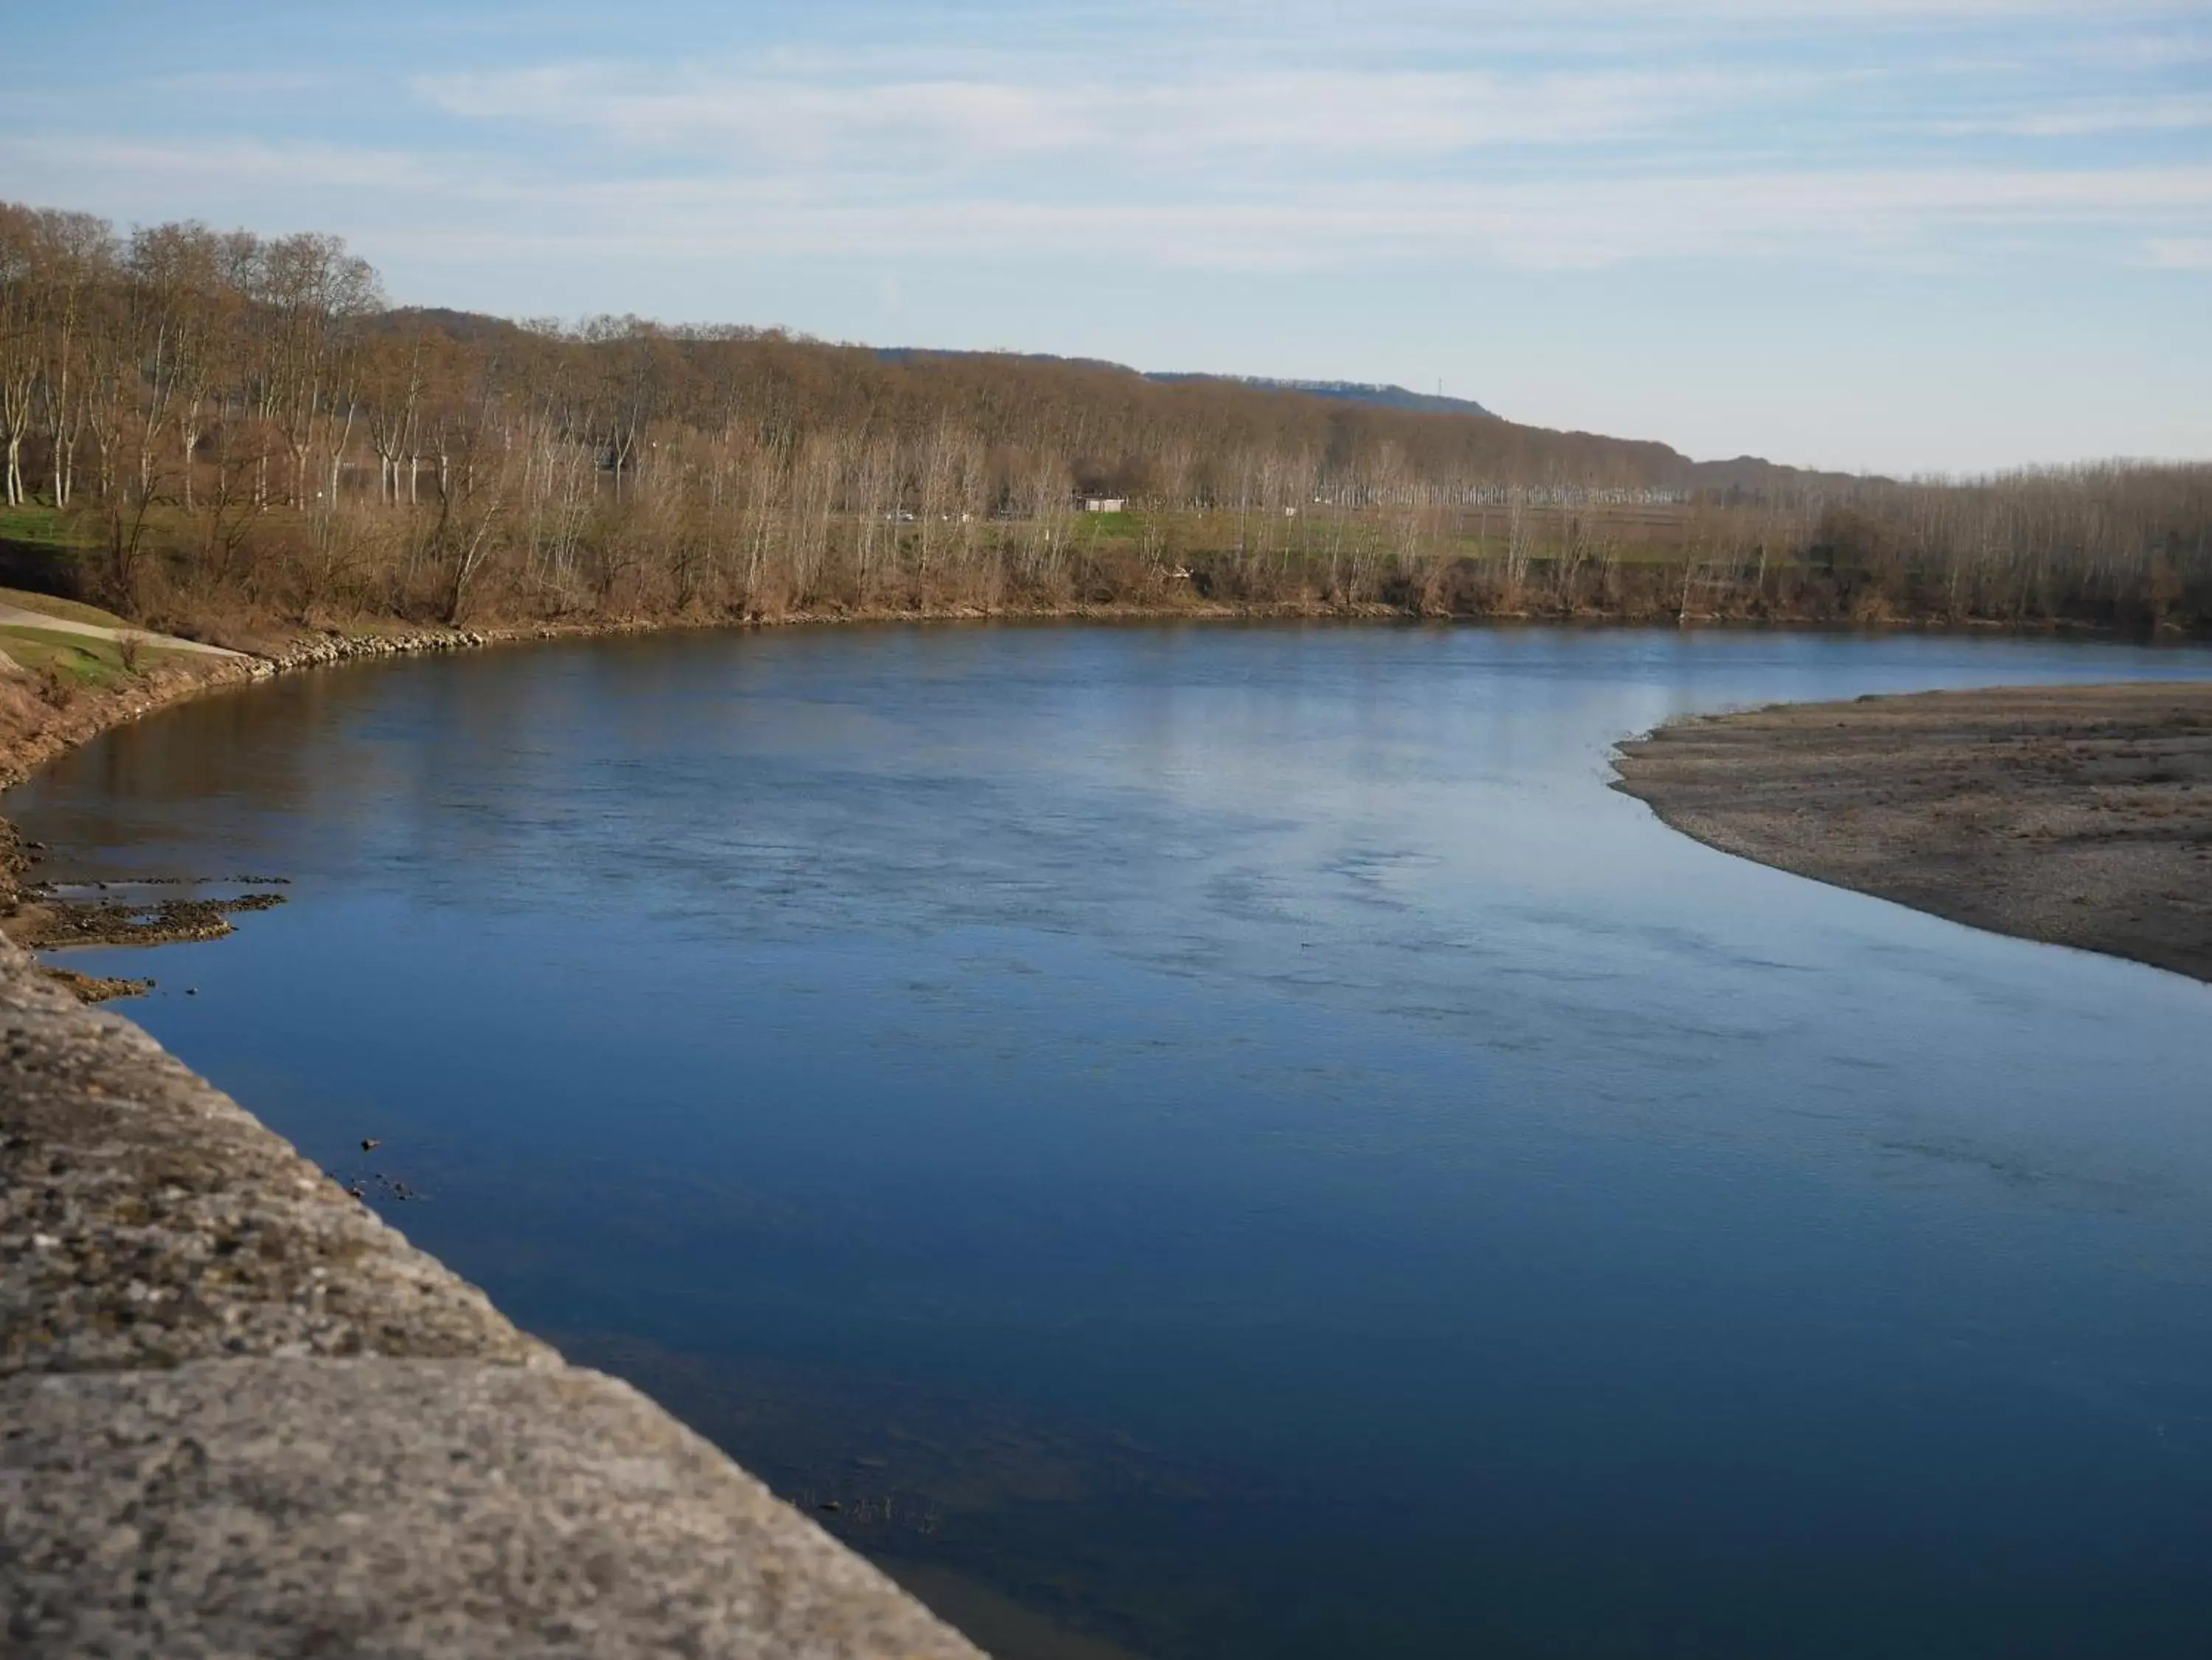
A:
<point x="1343" y="391"/>
<point x="1641" y="461"/>
<point x="1348" y="391"/>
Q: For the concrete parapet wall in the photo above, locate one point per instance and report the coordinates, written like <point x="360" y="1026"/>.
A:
<point x="240" y="1415"/>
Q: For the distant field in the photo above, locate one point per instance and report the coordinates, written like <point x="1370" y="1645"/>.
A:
<point x="42" y="548"/>
<point x="1632" y="533"/>
<point x="42" y="527"/>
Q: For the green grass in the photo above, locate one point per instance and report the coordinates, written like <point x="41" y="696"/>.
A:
<point x="91" y="660"/>
<point x="69" y="611"/>
<point x="42" y="527"/>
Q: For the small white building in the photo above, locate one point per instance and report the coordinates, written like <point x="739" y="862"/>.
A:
<point x="1104" y="504"/>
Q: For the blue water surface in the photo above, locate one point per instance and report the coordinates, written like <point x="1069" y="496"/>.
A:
<point x="1234" y="1141"/>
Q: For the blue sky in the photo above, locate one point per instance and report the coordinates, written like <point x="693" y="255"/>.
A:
<point x="1864" y="234"/>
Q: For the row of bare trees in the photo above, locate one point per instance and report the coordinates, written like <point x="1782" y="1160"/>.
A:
<point x="223" y="422"/>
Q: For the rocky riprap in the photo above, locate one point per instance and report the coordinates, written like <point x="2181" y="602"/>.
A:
<point x="326" y="651"/>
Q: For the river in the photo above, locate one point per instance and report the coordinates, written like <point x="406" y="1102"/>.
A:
<point x="1220" y="1142"/>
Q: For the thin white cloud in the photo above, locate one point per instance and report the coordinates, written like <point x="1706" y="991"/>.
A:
<point x="2181" y="254"/>
<point x="1530" y="224"/>
<point x="2087" y="119"/>
<point x="341" y="173"/>
<point x="1315" y="143"/>
<point x="1489" y="14"/>
<point x="246" y="83"/>
<point x="972" y="121"/>
<point x="1609" y="29"/>
<point x="482" y="210"/>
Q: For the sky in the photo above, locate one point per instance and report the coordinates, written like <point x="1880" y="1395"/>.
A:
<point x="1871" y="234"/>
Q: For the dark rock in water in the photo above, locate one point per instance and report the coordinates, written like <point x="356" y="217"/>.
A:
<point x="369" y="1143"/>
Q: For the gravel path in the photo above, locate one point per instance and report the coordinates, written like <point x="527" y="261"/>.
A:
<point x="16" y="617"/>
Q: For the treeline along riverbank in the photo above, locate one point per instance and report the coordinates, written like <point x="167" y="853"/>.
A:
<point x="212" y="430"/>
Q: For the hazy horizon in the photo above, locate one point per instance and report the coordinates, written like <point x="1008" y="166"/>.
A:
<point x="1882" y="236"/>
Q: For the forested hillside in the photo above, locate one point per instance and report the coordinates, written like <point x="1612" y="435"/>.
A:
<point x="204" y="426"/>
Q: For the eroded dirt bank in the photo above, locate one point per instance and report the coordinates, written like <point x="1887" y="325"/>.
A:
<point x="2080" y="815"/>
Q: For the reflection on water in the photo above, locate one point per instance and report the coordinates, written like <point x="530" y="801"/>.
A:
<point x="1234" y="1141"/>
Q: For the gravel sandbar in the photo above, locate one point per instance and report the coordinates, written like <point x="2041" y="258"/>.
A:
<point x="2078" y="814"/>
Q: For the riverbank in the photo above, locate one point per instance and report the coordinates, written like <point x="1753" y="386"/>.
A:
<point x="2075" y="816"/>
<point x="44" y="715"/>
<point x="245" y="1416"/>
<point x="1010" y="1498"/>
<point x="36" y="725"/>
<point x="1696" y="787"/>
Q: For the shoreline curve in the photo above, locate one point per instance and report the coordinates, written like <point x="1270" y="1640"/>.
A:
<point x="2076" y="815"/>
<point x="246" y="1416"/>
<point x="221" y="1371"/>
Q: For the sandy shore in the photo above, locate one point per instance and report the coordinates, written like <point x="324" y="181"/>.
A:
<point x="2080" y="815"/>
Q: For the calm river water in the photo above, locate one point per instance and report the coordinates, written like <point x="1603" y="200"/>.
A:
<point x="1234" y="1142"/>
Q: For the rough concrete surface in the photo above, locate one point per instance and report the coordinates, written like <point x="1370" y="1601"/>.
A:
<point x="378" y="1507"/>
<point x="147" y="1221"/>
<point x="240" y="1416"/>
